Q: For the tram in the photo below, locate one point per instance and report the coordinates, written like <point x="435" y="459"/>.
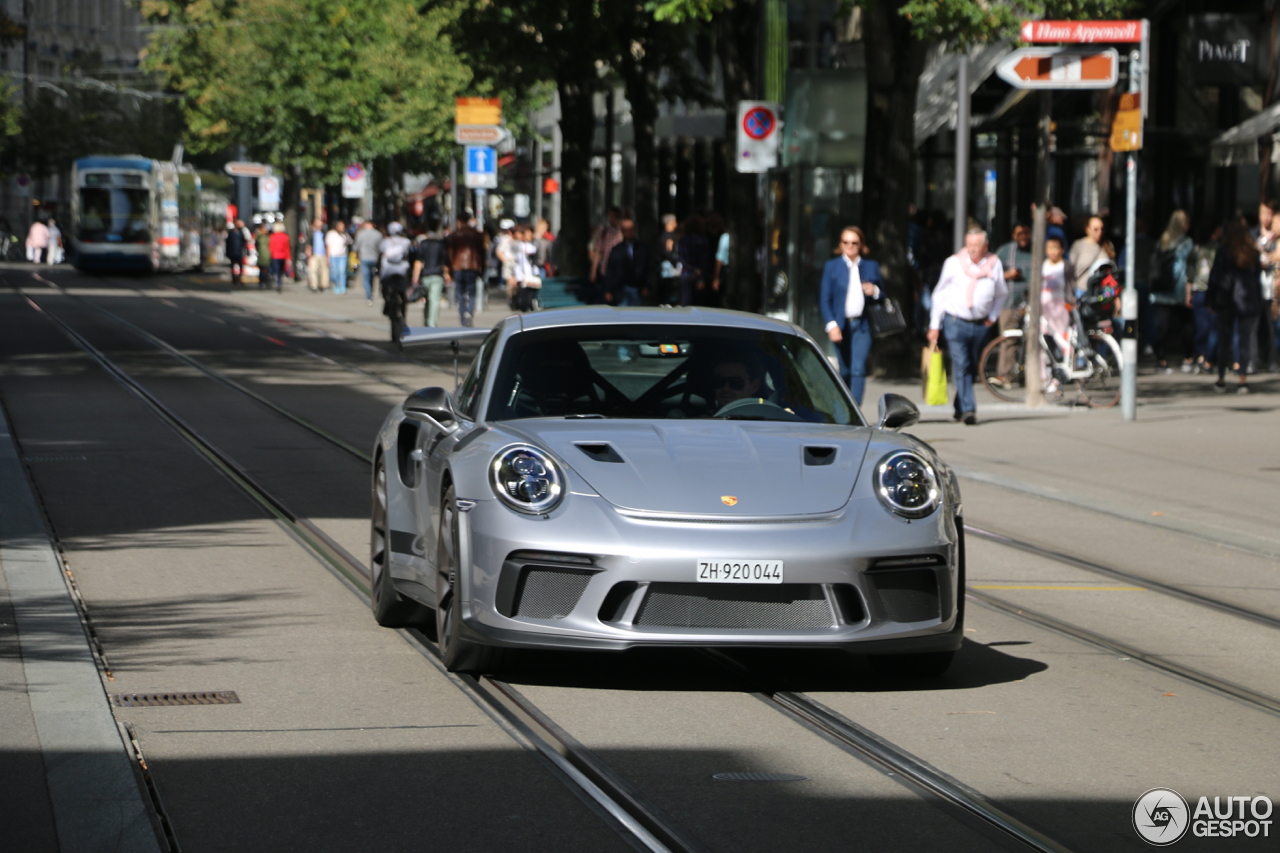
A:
<point x="134" y="214"/>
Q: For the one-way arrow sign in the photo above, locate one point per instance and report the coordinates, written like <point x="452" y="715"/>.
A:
<point x="1060" y="68"/>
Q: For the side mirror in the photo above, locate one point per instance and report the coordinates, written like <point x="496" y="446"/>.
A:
<point x="431" y="403"/>
<point x="896" y="412"/>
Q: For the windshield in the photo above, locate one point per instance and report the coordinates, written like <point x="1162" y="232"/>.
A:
<point x="660" y="371"/>
<point x="114" y="215"/>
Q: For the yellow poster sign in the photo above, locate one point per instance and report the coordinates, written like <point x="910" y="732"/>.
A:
<point x="477" y="111"/>
<point x="1126" y="130"/>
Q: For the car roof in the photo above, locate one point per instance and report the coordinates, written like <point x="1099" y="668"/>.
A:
<point x="600" y="315"/>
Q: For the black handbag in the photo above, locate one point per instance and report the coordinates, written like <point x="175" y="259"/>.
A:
<point x="885" y="318"/>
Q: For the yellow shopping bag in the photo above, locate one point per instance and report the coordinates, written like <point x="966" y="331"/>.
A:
<point x="935" y="388"/>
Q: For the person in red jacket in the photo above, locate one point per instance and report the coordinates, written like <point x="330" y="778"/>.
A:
<point x="281" y="253"/>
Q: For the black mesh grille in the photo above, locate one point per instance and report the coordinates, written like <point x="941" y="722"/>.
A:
<point x="694" y="605"/>
<point x="908" y="596"/>
<point x="547" y="593"/>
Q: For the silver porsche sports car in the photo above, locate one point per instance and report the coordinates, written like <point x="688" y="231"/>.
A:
<point x="608" y="478"/>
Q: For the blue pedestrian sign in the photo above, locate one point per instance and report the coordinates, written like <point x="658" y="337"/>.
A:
<point x="482" y="167"/>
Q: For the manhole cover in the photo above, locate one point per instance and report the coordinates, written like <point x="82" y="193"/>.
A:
<point x="759" y="777"/>
<point x="145" y="700"/>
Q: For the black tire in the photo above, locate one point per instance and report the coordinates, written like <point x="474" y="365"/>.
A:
<point x="917" y="665"/>
<point x="1102" y="389"/>
<point x="457" y="654"/>
<point x="390" y="609"/>
<point x="1014" y="389"/>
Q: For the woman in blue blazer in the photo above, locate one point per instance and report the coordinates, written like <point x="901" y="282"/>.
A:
<point x="844" y="313"/>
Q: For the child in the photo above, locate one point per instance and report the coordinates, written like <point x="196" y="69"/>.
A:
<point x="1055" y="314"/>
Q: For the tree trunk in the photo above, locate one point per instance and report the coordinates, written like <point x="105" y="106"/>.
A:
<point x="641" y="84"/>
<point x="737" y="38"/>
<point x="894" y="62"/>
<point x="576" y="84"/>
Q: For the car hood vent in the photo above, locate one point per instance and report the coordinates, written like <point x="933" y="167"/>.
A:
<point x="600" y="452"/>
<point x="819" y="455"/>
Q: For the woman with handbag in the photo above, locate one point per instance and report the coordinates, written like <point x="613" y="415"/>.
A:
<point x="850" y="283"/>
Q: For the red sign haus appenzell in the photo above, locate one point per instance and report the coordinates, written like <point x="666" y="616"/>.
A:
<point x="1081" y="32"/>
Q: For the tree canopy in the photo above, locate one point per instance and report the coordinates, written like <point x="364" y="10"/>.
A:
<point x="310" y="81"/>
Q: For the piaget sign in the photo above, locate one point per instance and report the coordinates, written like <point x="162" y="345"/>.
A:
<point x="1225" y="50"/>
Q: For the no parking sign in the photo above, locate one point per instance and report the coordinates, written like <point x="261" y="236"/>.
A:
<point x="757" y="136"/>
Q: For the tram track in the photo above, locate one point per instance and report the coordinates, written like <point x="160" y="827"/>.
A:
<point x="577" y="765"/>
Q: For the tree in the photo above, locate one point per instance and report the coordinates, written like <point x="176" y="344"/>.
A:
<point x="311" y="83"/>
<point x="653" y="61"/>
<point x="568" y="42"/>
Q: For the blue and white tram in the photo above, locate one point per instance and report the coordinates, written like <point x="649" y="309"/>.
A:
<point x="131" y="213"/>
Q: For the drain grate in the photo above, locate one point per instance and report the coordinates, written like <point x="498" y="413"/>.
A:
<point x="64" y="457"/>
<point x="759" y="777"/>
<point x="147" y="700"/>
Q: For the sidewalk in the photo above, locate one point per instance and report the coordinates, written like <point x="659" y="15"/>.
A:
<point x="68" y="782"/>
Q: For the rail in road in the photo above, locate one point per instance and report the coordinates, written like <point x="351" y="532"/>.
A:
<point x="577" y="766"/>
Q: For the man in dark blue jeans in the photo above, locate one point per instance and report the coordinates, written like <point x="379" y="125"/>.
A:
<point x="966" y="302"/>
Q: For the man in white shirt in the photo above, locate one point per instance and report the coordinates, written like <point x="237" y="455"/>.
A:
<point x="966" y="303"/>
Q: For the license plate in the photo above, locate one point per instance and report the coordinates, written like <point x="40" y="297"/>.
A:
<point x="740" y="571"/>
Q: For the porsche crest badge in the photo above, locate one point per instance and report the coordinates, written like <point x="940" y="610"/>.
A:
<point x="728" y="500"/>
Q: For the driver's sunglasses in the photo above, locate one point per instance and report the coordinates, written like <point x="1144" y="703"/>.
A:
<point x="850" y="242"/>
<point x="735" y="383"/>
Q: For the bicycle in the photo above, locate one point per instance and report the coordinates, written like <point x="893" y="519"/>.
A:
<point x="1095" y="371"/>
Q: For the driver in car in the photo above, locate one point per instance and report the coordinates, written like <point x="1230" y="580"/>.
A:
<point x="736" y="377"/>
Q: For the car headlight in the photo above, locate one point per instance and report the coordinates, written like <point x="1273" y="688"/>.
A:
<point x="526" y="479"/>
<point x="907" y="484"/>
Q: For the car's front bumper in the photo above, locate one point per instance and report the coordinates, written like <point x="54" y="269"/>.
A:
<point x="840" y="564"/>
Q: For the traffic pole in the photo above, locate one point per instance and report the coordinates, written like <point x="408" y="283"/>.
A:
<point x="1129" y="298"/>
<point x="961" y="210"/>
<point x="1032" y="367"/>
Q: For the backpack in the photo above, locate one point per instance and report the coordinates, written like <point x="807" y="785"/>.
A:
<point x="397" y="251"/>
<point x="1163" y="278"/>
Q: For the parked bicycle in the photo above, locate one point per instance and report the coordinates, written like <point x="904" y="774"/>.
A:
<point x="1092" y="367"/>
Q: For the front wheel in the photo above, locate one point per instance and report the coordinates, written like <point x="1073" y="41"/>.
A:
<point x="390" y="609"/>
<point x="1002" y="367"/>
<point x="457" y="653"/>
<point x="1101" y="388"/>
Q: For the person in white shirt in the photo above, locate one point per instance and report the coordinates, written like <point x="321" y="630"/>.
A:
<point x="336" y="245"/>
<point x="966" y="303"/>
<point x="1055" y="311"/>
<point x="849" y="282"/>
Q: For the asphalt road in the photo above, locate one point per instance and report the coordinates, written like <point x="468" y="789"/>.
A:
<point x="349" y="737"/>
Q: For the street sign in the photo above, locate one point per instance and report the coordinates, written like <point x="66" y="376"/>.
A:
<point x="477" y="111"/>
<point x="479" y="134"/>
<point x="758" y="136"/>
<point x="482" y="167"/>
<point x="240" y="169"/>
<point x="23" y="183"/>
<point x="268" y="193"/>
<point x="1081" y="32"/>
<point x="355" y="181"/>
<point x="1060" y="68"/>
